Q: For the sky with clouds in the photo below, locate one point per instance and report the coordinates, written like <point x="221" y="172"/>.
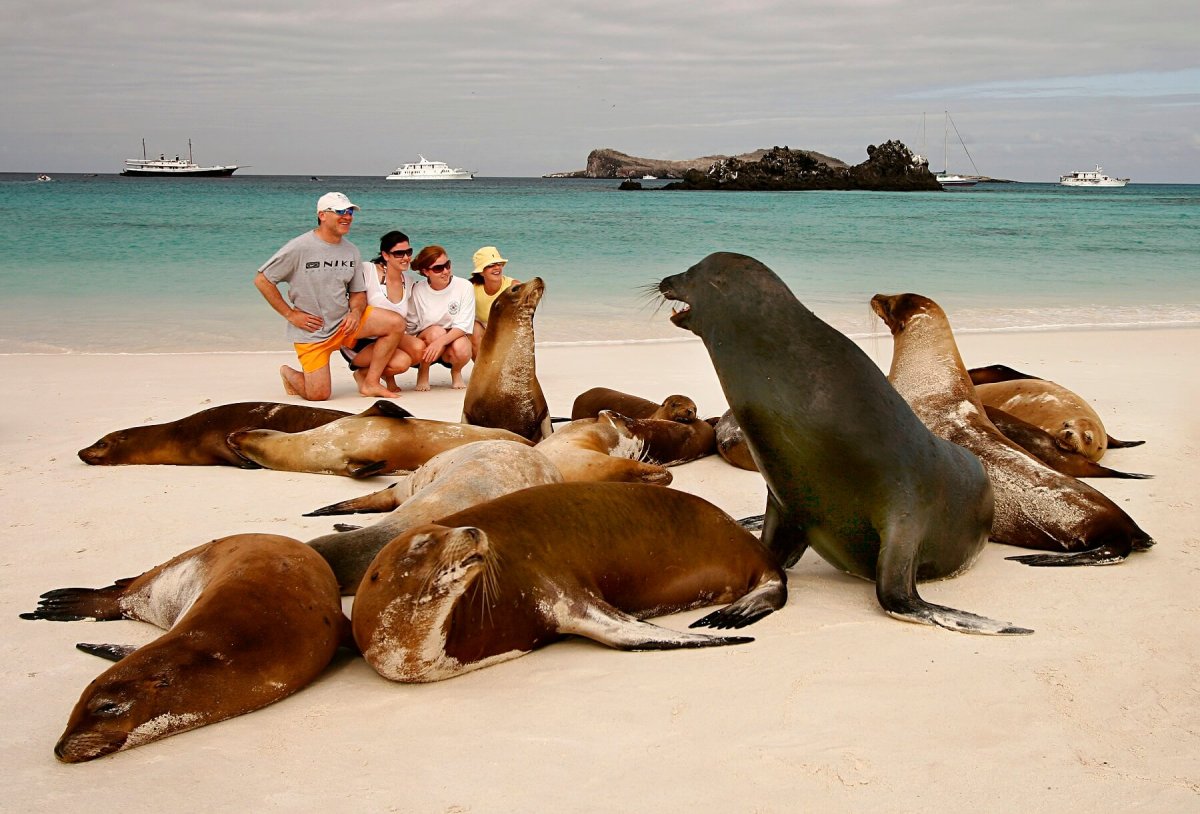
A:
<point x="528" y="87"/>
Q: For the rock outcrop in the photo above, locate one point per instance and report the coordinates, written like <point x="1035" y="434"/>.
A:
<point x="606" y="163"/>
<point x="889" y="167"/>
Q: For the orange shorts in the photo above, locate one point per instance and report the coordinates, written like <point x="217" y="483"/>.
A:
<point x="315" y="355"/>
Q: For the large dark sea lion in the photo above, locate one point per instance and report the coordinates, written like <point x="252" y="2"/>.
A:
<point x="382" y="439"/>
<point x="588" y="559"/>
<point x="602" y="449"/>
<point x="449" y="482"/>
<point x="504" y="390"/>
<point x="1036" y="507"/>
<point x="251" y="619"/>
<point x="589" y="403"/>
<point x="200" y="439"/>
<point x="850" y="470"/>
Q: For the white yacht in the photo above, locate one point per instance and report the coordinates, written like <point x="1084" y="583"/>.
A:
<point x="426" y="170"/>
<point x="163" y="167"/>
<point x="1087" y="178"/>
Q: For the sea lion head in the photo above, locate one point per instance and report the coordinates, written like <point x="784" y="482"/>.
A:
<point x="1077" y="436"/>
<point x="677" y="408"/>
<point x="133" y="702"/>
<point x="421" y="575"/>
<point x="711" y="295"/>
<point x="519" y="298"/>
<point x="897" y="310"/>
<point x="104" y="451"/>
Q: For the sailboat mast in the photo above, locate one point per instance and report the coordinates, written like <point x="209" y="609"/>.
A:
<point x="143" y="149"/>
<point x="946" y="143"/>
<point x="190" y="151"/>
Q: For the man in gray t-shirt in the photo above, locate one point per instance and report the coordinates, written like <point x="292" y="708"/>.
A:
<point x="328" y="303"/>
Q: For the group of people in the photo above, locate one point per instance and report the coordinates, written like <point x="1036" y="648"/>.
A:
<point x="370" y="312"/>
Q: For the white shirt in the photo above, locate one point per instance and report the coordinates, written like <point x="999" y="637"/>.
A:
<point x="452" y="307"/>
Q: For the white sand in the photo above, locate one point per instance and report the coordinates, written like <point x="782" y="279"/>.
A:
<point x="835" y="707"/>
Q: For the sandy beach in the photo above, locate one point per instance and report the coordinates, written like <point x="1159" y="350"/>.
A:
<point x="834" y="707"/>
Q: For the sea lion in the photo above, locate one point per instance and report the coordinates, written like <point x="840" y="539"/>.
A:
<point x="1036" y="507"/>
<point x="850" y="470"/>
<point x="1076" y="427"/>
<point x="382" y="439"/>
<point x="672" y="442"/>
<point x="251" y="619"/>
<point x="449" y="482"/>
<point x="1041" y="445"/>
<point x="731" y="442"/>
<point x="504" y="390"/>
<point x="498" y="580"/>
<point x="589" y="403"/>
<point x="200" y="438"/>
<point x="601" y="449"/>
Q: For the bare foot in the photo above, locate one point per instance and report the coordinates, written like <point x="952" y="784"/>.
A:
<point x="360" y="377"/>
<point x="422" y="379"/>
<point x="390" y="383"/>
<point x="456" y="381"/>
<point x="288" y="387"/>
<point x="378" y="391"/>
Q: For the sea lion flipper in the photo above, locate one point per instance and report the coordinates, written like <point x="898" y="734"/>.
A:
<point x="366" y="470"/>
<point x="784" y="537"/>
<point x="111" y="652"/>
<point x="1113" y="443"/>
<point x="80" y="604"/>
<point x="344" y="527"/>
<point x="386" y="408"/>
<point x="752" y="523"/>
<point x="1104" y="555"/>
<point x="385" y="500"/>
<point x="605" y="624"/>
<point x="997" y="373"/>
<point x="767" y="597"/>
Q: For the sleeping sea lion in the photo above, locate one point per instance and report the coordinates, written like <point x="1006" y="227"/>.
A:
<point x="498" y="580"/>
<point x="601" y="449"/>
<point x="589" y="403"/>
<point x="251" y="619"/>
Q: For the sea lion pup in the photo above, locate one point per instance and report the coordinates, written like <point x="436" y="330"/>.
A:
<point x="670" y="442"/>
<point x="199" y="439"/>
<point x="1041" y="445"/>
<point x="1068" y="417"/>
<point x="451" y="481"/>
<point x="498" y="580"/>
<point x="504" y="390"/>
<point x="850" y="470"/>
<point x="589" y="403"/>
<point x="382" y="439"/>
<point x="601" y="449"/>
<point x="1036" y="507"/>
<point x="731" y="442"/>
<point x="251" y="619"/>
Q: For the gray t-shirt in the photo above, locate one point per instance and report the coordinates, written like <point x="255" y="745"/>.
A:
<point x="320" y="277"/>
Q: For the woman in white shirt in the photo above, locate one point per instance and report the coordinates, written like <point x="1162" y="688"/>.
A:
<point x="441" y="313"/>
<point x="387" y="288"/>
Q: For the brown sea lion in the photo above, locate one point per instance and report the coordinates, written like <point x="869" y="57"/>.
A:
<point x="382" y="439"/>
<point x="672" y="442"/>
<point x="449" y="482"/>
<point x="200" y="439"/>
<point x="590" y="559"/>
<point x="601" y="449"/>
<point x="1046" y="404"/>
<point x="504" y="390"/>
<point x="1036" y="507"/>
<point x="849" y="469"/>
<point x="589" y="403"/>
<point x="731" y="442"/>
<point x="1041" y="445"/>
<point x="251" y="619"/>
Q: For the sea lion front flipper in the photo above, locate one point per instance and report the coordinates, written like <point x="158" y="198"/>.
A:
<point x="896" y="589"/>
<point x="752" y="523"/>
<point x="770" y="595"/>
<point x="342" y="527"/>
<point x="366" y="470"/>
<point x="784" y="537"/>
<point x="385" y="408"/>
<point x="1113" y="443"/>
<point x="603" y="623"/>
<point x="111" y="652"/>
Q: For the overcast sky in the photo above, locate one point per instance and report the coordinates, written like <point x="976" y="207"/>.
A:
<point x="527" y="87"/>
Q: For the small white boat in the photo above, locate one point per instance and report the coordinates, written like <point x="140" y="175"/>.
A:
<point x="163" y="167"/>
<point x="1088" y="178"/>
<point x="649" y="177"/>
<point x="951" y="180"/>
<point x="426" y="170"/>
<point x="44" y="177"/>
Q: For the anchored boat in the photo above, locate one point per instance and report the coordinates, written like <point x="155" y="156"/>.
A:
<point x="426" y="170"/>
<point x="163" y="167"/>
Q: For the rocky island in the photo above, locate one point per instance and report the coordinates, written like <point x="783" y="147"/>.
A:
<point x="890" y="166"/>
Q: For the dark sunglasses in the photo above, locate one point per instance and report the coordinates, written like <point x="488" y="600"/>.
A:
<point x="400" y="252"/>
<point x="342" y="212"/>
<point x="439" y="267"/>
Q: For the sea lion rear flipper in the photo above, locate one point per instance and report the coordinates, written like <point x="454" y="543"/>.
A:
<point x="111" y="652"/>
<point x="384" y="500"/>
<point x="997" y="373"/>
<point x="1104" y="555"/>
<point x="752" y="523"/>
<point x="1113" y="443"/>
<point x="770" y="595"/>
<point x="386" y="408"/>
<point x="343" y="527"/>
<point x="603" y="623"/>
<point x="80" y="604"/>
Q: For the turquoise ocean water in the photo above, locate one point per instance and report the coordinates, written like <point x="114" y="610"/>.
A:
<point x="110" y="264"/>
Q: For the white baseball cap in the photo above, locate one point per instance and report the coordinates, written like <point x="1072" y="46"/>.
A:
<point x="335" y="200"/>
